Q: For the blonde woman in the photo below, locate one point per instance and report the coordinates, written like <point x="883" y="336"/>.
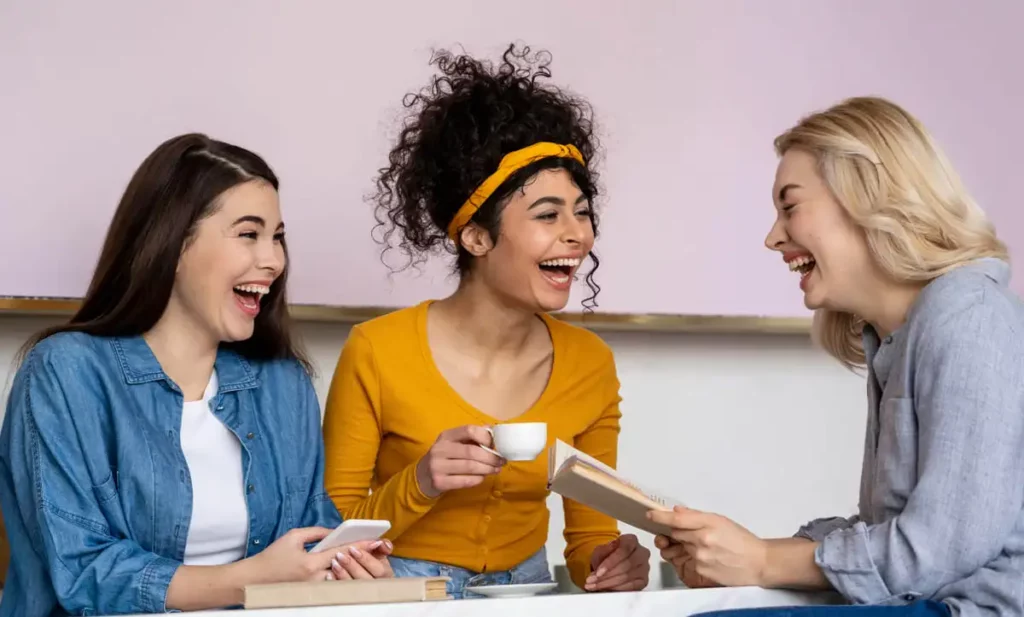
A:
<point x="910" y="282"/>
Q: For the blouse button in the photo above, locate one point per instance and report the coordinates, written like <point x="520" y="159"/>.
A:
<point x="888" y="339"/>
<point x="250" y="435"/>
<point x="256" y="541"/>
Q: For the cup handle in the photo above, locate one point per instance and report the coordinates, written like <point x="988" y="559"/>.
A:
<point x="491" y="450"/>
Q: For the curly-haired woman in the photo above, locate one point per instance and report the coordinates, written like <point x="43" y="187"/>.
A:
<point x="492" y="166"/>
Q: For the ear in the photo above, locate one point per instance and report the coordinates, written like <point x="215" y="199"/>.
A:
<point x="476" y="240"/>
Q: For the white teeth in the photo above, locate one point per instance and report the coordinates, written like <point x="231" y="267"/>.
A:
<point x="800" y="262"/>
<point x="570" y="262"/>
<point x="254" y="289"/>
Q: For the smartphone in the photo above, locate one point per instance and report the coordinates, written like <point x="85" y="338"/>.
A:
<point x="355" y="530"/>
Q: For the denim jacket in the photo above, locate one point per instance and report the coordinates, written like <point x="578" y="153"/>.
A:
<point x="95" y="488"/>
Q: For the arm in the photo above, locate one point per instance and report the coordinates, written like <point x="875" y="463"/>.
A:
<point x="352" y="434"/>
<point x="585" y="528"/>
<point x="90" y="569"/>
<point x="969" y="406"/>
<point x="320" y="511"/>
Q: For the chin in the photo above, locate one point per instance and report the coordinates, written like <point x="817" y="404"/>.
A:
<point x="234" y="333"/>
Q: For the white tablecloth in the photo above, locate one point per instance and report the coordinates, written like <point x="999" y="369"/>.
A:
<point x="663" y="603"/>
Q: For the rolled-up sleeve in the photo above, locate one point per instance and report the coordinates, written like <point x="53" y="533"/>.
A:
<point x="968" y="403"/>
<point x="819" y="528"/>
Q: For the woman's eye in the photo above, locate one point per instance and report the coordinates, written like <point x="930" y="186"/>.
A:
<point x="252" y="235"/>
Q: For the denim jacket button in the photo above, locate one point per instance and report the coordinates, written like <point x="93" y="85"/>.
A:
<point x="251" y="488"/>
<point x="256" y="541"/>
<point x="250" y="435"/>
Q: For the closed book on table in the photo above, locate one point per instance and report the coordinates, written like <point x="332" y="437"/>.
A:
<point x="329" y="593"/>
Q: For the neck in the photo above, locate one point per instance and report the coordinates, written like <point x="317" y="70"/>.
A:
<point x="485" y="321"/>
<point x="893" y="301"/>
<point x="184" y="350"/>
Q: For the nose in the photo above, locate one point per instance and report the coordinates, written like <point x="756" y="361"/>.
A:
<point x="271" y="258"/>
<point x="777" y="236"/>
<point x="575" y="230"/>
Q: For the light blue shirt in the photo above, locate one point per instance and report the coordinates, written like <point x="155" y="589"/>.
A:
<point x="95" y="489"/>
<point x="941" y="512"/>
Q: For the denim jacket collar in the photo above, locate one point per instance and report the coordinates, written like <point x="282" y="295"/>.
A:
<point x="139" y="365"/>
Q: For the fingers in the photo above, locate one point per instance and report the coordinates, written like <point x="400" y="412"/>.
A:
<point x="351" y="564"/>
<point x="674" y="551"/>
<point x="468" y="434"/>
<point x="680" y="518"/>
<point x="662" y="542"/>
<point x="464" y="467"/>
<point x="305" y="535"/>
<point x="624" y="579"/>
<point x="626" y="546"/>
<point x="454" y="483"/>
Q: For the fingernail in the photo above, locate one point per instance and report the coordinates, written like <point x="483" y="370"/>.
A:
<point x="600" y="572"/>
<point x="375" y="545"/>
<point x="330" y="576"/>
<point x="334" y="564"/>
<point x="591" y="580"/>
<point x="388" y="544"/>
<point x="342" y="557"/>
<point x="650" y="515"/>
<point x="355" y="551"/>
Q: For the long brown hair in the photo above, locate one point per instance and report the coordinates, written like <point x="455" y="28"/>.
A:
<point x="173" y="190"/>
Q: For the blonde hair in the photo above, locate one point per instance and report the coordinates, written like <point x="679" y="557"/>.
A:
<point x="885" y="170"/>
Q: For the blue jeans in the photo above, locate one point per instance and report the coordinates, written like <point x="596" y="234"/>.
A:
<point x="534" y="570"/>
<point x="925" y="608"/>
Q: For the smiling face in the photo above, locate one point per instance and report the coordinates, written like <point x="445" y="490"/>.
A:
<point x="546" y="234"/>
<point x="818" y="239"/>
<point x="234" y="256"/>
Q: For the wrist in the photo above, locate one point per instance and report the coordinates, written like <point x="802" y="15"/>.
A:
<point x="789" y="563"/>
<point x="235" y="576"/>
<point x="421" y="478"/>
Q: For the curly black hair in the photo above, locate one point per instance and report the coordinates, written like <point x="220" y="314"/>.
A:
<point x="461" y="125"/>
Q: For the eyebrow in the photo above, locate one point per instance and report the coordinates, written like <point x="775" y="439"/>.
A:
<point x="786" y="189"/>
<point x="258" y="220"/>
<point x="557" y="201"/>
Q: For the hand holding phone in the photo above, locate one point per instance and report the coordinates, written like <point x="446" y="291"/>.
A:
<point x="354" y="530"/>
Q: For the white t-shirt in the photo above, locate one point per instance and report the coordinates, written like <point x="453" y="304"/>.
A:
<point x="220" y="518"/>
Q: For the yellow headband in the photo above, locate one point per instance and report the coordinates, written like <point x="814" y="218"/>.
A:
<point x="510" y="163"/>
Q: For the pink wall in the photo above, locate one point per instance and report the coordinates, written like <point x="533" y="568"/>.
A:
<point x="690" y="95"/>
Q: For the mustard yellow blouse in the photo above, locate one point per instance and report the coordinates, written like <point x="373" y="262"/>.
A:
<point x="387" y="404"/>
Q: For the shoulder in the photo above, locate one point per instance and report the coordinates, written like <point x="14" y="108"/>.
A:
<point x="70" y="356"/>
<point x="586" y="353"/>
<point x="396" y="326"/>
<point x="582" y="341"/>
<point x="281" y="373"/>
<point x="63" y="368"/>
<point x="970" y="307"/>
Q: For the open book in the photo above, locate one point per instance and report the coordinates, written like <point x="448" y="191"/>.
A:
<point x="332" y="593"/>
<point x="583" y="478"/>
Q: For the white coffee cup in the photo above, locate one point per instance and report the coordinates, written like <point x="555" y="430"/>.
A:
<point x="519" y="441"/>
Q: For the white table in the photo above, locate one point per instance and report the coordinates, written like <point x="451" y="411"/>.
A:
<point x="663" y="603"/>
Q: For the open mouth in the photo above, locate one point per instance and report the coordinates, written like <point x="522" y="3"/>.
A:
<point x="249" y="297"/>
<point x="804" y="265"/>
<point x="559" y="272"/>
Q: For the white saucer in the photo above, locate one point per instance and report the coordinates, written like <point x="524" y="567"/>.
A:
<point x="511" y="591"/>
